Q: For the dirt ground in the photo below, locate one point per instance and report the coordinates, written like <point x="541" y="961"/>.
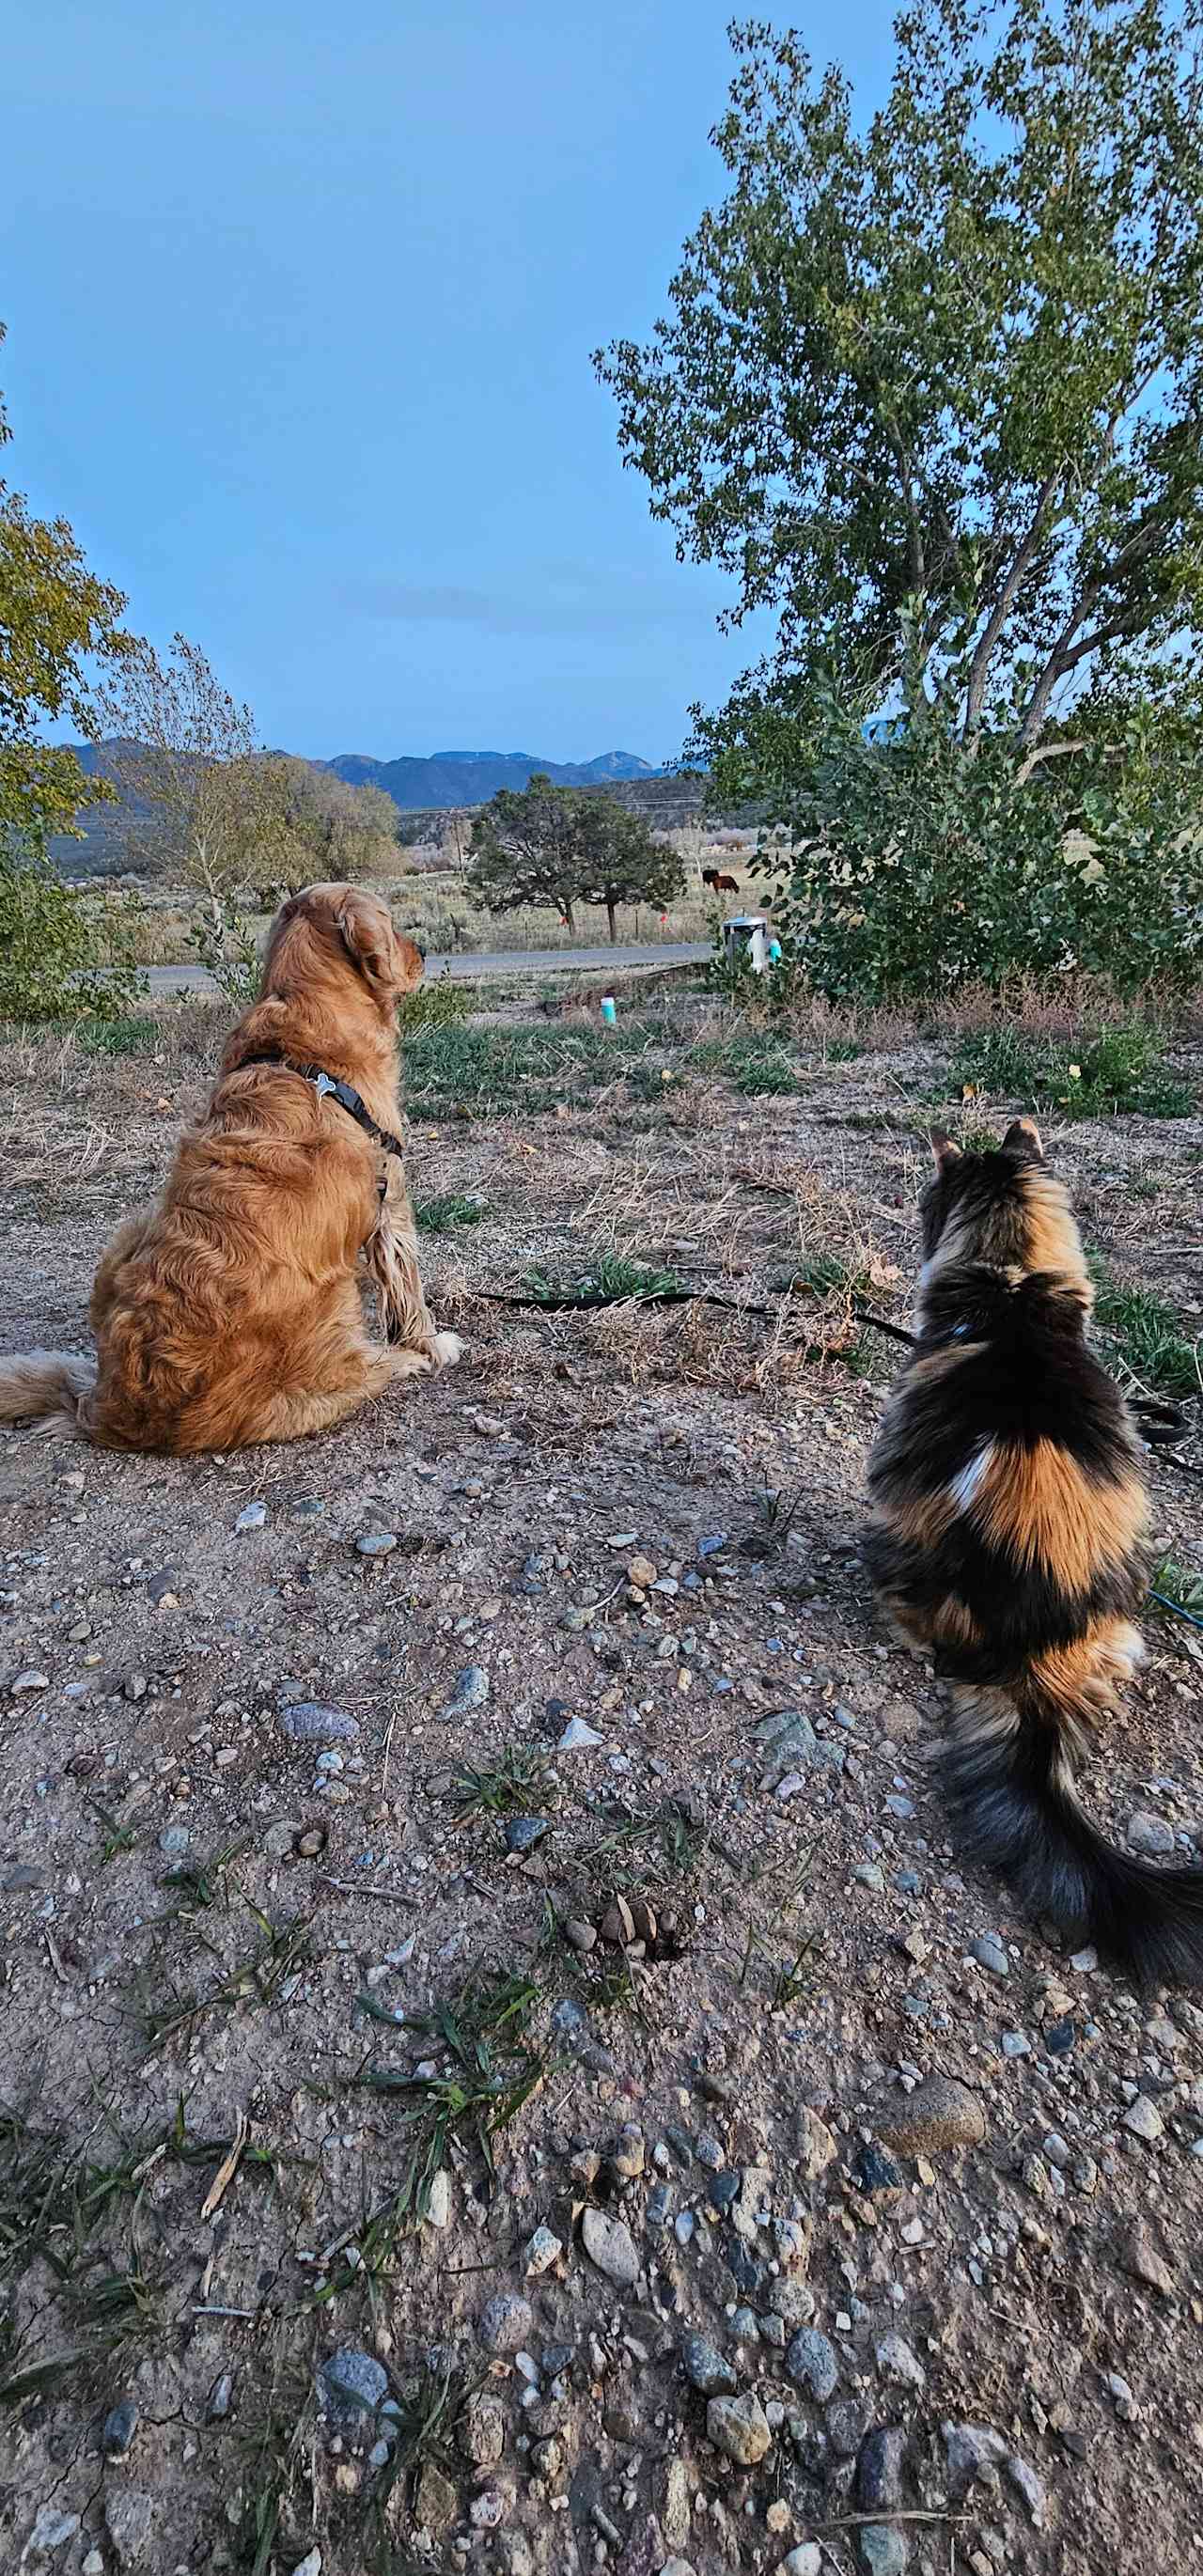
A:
<point x="626" y="2259"/>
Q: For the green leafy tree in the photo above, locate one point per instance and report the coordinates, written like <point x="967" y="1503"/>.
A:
<point x="54" y="615"/>
<point x="931" y="389"/>
<point x="328" y="828"/>
<point x="66" y="952"/>
<point x="621" y="861"/>
<point x="204" y="806"/>
<point x="525" y="848"/>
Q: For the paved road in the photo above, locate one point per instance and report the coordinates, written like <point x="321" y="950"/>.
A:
<point x="502" y="961"/>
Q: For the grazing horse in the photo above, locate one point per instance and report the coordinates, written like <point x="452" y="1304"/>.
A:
<point x="720" y="884"/>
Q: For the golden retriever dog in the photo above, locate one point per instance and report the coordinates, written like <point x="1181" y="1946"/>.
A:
<point x="231" y="1311"/>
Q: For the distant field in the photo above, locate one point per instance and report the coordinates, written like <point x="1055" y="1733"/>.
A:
<point x="435" y="908"/>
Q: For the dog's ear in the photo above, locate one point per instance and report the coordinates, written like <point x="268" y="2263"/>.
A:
<point x="1023" y="1139"/>
<point x="370" y="941"/>
<point x="411" y="964"/>
<point x="944" y="1152"/>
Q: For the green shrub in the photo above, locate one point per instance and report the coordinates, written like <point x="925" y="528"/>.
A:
<point x="1119" y="1069"/>
<point x="126" y="1036"/>
<point x="227" y="946"/>
<point x="65" y="952"/>
<point x="440" y="1004"/>
<point x="921" y="863"/>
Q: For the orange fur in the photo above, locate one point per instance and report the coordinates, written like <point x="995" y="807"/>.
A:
<point x="1038" y="1508"/>
<point x="231" y="1311"/>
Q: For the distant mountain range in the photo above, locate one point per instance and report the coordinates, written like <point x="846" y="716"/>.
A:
<point x="470" y="777"/>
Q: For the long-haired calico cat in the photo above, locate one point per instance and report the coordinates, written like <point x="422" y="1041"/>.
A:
<point x="1008" y="1535"/>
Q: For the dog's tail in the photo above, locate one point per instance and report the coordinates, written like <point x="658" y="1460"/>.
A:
<point x="46" y="1388"/>
<point x="1009" y="1768"/>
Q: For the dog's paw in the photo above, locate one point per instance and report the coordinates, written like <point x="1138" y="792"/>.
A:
<point x="448" y="1348"/>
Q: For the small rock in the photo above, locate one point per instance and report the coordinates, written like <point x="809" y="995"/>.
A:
<point x="174" y="1841"/>
<point x="974" y="2454"/>
<point x="1150" y="1834"/>
<point x="350" y="2385"/>
<point x="738" y="2426"/>
<point x="52" y="2530"/>
<point x="471" y="1691"/>
<point x="542" y="2250"/>
<point x="989" y="1953"/>
<point x="1144" y="2120"/>
<point x="217" y="2404"/>
<point x="1015" y="2043"/>
<point x="306" y="1721"/>
<point x="706" y="2368"/>
<point x="641" y="1572"/>
<point x="578" y="1736"/>
<point x="844" y="2425"/>
<point x="882" y="2550"/>
<point x="581" y="1936"/>
<point x="806" y="2560"/>
<point x="817" y="2148"/>
<point x="1121" y="2395"/>
<point x="876" y="2174"/>
<point x="1027" y="2484"/>
<point x="895" y="2360"/>
<point x="130" y="2519"/>
<point x="118" y="2430"/>
<point x="1139" y="2256"/>
<point x="252" y="1518"/>
<point x="505" y="2323"/>
<point x="482" y="2431"/>
<point x="811" y="2363"/>
<point x="611" y="2246"/>
<point x="940" y="2113"/>
<point x="436" y="2503"/>
<point x="879" y="2469"/>
<point x="310" y="2564"/>
<point x="30" y="1681"/>
<point x="524" y="1833"/>
<point x="376" y="1543"/>
<point x="438" y="2203"/>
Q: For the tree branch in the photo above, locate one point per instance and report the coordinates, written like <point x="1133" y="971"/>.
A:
<point x="979" y="671"/>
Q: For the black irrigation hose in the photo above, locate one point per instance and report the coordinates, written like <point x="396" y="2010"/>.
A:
<point x="1164" y="1603"/>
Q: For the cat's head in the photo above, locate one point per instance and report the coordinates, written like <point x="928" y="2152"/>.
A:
<point x="1002" y="1207"/>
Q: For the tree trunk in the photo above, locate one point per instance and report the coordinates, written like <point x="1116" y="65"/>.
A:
<point x="612" y="918"/>
<point x="568" y="912"/>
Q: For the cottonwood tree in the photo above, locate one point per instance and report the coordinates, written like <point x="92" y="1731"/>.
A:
<point x="930" y="387"/>
<point x="328" y="828"/>
<point x="205" y="806"/>
<point x="54" y="615"/>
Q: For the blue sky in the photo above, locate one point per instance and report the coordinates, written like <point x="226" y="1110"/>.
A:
<point x="300" y="305"/>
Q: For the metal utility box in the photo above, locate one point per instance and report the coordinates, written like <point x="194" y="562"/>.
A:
<point x="746" y="941"/>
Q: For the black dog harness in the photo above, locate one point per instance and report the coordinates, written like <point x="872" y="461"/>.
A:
<point x="327" y="1088"/>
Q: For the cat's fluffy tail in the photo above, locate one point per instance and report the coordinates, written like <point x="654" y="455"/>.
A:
<point x="45" y="1389"/>
<point x="1009" y="1766"/>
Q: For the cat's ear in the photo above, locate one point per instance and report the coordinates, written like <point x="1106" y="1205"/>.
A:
<point x="1023" y="1138"/>
<point x="944" y="1151"/>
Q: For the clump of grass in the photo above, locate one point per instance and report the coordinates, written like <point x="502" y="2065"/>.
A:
<point x="442" y="1215"/>
<point x="130" y="1035"/>
<point x="1116" y="1070"/>
<point x="1179" y="1586"/>
<point x="506" y="1787"/>
<point x="611" y="1280"/>
<point x="1145" y="1336"/>
<point x="668" y="1824"/>
<point x="490" y="2069"/>
<point x="443" y="1003"/>
<point x="753" y="1058"/>
<point x="256" y="1979"/>
<point x="467" y="1072"/>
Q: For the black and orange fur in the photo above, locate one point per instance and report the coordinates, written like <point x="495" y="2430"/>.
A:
<point x="1008" y="1536"/>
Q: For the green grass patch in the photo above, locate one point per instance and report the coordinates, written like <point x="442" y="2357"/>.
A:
<point x="131" y="1035"/>
<point x="441" y="1004"/>
<point x="611" y="1280"/>
<point x="517" y="1781"/>
<point x="752" y="1058"/>
<point x="454" y="1071"/>
<point x="486" y="2068"/>
<point x="1114" y="1072"/>
<point x="443" y="1215"/>
<point x="1144" y="1336"/>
